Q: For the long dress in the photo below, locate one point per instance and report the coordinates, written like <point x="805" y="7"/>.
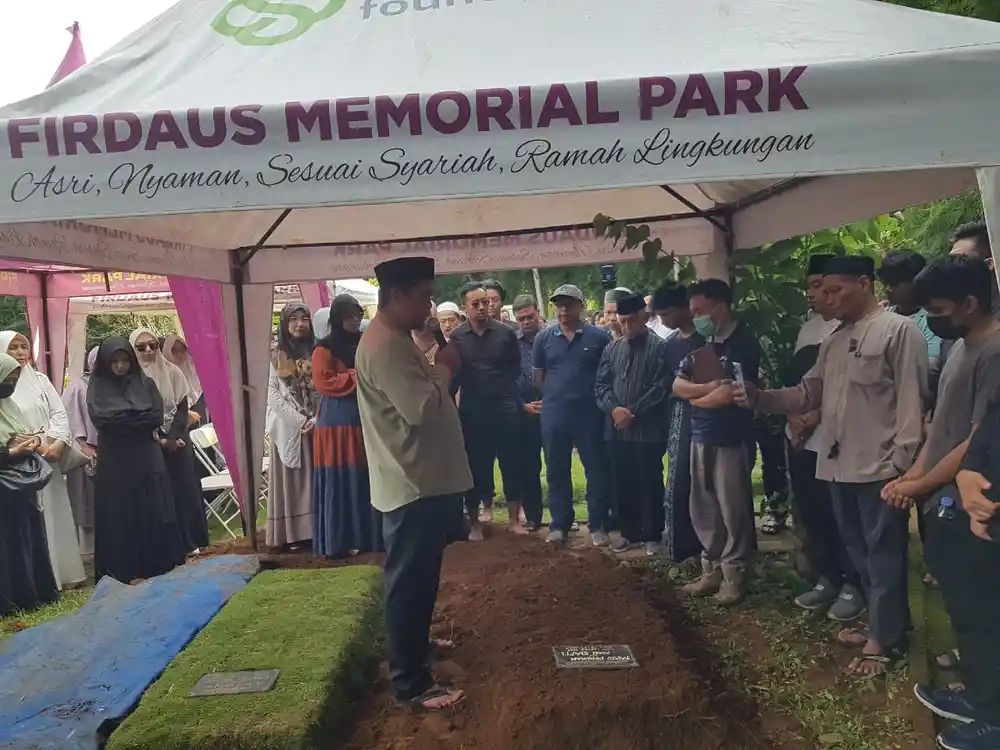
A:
<point x="343" y="516"/>
<point x="136" y="535"/>
<point x="79" y="483"/>
<point x="289" y="489"/>
<point x="26" y="578"/>
<point x="679" y="539"/>
<point x="185" y="483"/>
<point x="43" y="410"/>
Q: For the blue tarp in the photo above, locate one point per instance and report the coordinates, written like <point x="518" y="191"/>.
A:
<point x="61" y="680"/>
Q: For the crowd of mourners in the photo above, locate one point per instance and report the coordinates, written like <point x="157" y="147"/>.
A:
<point x="104" y="473"/>
<point x="878" y="419"/>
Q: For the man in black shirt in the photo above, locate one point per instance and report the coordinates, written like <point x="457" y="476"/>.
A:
<point x="488" y="401"/>
<point x="721" y="490"/>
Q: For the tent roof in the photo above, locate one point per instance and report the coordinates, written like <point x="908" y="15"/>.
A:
<point x="750" y="101"/>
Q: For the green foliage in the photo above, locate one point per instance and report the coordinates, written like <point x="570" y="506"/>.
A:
<point x="927" y="229"/>
<point x="13" y="316"/>
<point x="100" y="327"/>
<point x="987" y="10"/>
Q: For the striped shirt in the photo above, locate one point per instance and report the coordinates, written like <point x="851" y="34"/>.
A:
<point x="635" y="375"/>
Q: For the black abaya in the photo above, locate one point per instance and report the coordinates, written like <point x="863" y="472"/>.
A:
<point x="26" y="578"/>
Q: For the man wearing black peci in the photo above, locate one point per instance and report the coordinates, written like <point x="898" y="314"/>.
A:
<point x="416" y="461"/>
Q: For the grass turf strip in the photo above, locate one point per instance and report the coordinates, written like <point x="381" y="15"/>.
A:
<point x="319" y="627"/>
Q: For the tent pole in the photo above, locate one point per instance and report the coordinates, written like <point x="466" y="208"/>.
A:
<point x="543" y="307"/>
<point x="45" y="327"/>
<point x="241" y="331"/>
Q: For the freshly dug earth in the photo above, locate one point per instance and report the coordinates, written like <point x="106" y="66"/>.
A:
<point x="507" y="602"/>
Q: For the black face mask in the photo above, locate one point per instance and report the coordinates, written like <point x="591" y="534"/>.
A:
<point x="942" y="327"/>
<point x="7" y="390"/>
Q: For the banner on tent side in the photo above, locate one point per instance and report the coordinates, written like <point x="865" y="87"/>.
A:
<point x="76" y="243"/>
<point x="18" y="284"/>
<point x="573" y="247"/>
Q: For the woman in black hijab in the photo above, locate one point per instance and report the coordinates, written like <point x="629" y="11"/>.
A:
<point x="344" y="519"/>
<point x="135" y="527"/>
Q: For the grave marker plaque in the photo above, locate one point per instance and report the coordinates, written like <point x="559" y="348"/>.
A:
<point x="594" y="657"/>
<point x="235" y="683"/>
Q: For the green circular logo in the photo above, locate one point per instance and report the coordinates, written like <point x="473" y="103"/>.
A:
<point x="267" y="13"/>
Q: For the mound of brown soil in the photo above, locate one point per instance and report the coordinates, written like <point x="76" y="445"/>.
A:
<point x="507" y="602"/>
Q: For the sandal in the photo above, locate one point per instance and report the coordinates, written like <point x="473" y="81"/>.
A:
<point x="948" y="660"/>
<point x="435" y="693"/>
<point x="772" y="525"/>
<point x="853" y="637"/>
<point x="884" y="664"/>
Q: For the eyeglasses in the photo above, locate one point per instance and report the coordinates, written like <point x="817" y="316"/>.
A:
<point x="477" y="303"/>
<point x="152" y="346"/>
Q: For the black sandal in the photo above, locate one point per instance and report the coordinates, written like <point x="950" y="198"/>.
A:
<point x="418" y="704"/>
<point x="890" y="662"/>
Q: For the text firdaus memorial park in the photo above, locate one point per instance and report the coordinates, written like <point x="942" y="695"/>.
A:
<point x="458" y="142"/>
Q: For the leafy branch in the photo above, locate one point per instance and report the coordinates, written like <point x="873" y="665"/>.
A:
<point x="625" y="236"/>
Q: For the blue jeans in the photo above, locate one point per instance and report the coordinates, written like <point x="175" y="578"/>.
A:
<point x="563" y="428"/>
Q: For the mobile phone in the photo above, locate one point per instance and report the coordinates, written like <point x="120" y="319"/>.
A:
<point x="738" y="377"/>
<point x="609" y="278"/>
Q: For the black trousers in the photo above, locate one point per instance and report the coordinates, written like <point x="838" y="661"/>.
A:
<point x="877" y="538"/>
<point x="813" y="508"/>
<point x="771" y="440"/>
<point x="968" y="571"/>
<point x="415" y="537"/>
<point x="489" y="437"/>
<point x="637" y="472"/>
<point x="524" y="484"/>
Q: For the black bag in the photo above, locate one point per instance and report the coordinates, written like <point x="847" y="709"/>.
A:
<point x="31" y="474"/>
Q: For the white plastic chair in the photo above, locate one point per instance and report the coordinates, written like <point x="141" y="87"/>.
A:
<point x="205" y="442"/>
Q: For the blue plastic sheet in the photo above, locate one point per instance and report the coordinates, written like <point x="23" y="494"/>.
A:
<point x="62" y="680"/>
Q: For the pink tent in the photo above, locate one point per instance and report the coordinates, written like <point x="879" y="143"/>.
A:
<point x="48" y="289"/>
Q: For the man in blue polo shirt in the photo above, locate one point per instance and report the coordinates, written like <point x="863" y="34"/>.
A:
<point x="565" y="360"/>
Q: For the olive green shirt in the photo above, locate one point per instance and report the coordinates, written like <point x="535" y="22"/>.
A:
<point x="413" y="436"/>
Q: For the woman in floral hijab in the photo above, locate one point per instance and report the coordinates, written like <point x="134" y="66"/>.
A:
<point x="291" y="416"/>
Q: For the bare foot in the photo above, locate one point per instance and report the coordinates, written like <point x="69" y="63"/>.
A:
<point x="486" y="516"/>
<point x="516" y="528"/>
<point x="476" y="533"/>
<point x="853" y="637"/>
<point x="872" y="662"/>
<point x="442" y="644"/>
<point x="437" y="699"/>
<point x="521" y="517"/>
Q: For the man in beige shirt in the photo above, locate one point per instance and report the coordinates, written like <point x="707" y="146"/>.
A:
<point x="870" y="384"/>
<point x="418" y="469"/>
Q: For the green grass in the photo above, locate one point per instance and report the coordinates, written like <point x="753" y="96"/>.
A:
<point x="69" y="601"/>
<point x="319" y="627"/>
<point x="788" y="661"/>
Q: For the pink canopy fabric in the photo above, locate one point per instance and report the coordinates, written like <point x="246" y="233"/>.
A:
<point x="74" y="57"/>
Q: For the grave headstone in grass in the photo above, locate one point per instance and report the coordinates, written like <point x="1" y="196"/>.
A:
<point x="319" y="628"/>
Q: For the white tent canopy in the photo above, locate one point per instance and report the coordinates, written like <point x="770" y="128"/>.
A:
<point x="319" y="137"/>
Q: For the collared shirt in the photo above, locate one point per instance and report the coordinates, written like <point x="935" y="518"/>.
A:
<point x="729" y="425"/>
<point x="491" y="366"/>
<point x="570" y="365"/>
<point x="526" y="387"/>
<point x="870" y="383"/>
<point x="412" y="432"/>
<point x="635" y="374"/>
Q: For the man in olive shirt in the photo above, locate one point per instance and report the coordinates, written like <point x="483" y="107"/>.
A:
<point x="870" y="382"/>
<point x="417" y="465"/>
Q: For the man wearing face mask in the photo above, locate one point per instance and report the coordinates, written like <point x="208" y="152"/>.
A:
<point x="721" y="490"/>
<point x="870" y="383"/>
<point x="956" y="295"/>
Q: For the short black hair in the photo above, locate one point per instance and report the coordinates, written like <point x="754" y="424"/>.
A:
<point x="716" y="290"/>
<point x="977" y="231"/>
<point x="956" y="277"/>
<point x="523" y="302"/>
<point x="900" y="266"/>
<point x="495" y="286"/>
<point x="470" y="286"/>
